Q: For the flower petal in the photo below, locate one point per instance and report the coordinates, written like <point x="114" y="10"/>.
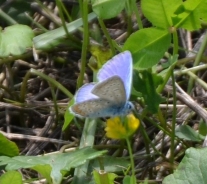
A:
<point x="117" y="129"/>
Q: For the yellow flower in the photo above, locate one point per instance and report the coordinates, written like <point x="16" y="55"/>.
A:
<point x="121" y="128"/>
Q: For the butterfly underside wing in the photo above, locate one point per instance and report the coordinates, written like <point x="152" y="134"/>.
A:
<point x="120" y="65"/>
<point x="95" y="108"/>
<point x="111" y="99"/>
<point x="112" y="90"/>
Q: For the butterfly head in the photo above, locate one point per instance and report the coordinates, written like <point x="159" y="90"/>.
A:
<point x="129" y="107"/>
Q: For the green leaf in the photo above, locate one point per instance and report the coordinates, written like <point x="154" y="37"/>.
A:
<point x="129" y="179"/>
<point x="203" y="12"/>
<point x="126" y="179"/>
<point x="106" y="9"/>
<point x="159" y="12"/>
<point x="15" y="40"/>
<point x="146" y="83"/>
<point x="166" y="73"/>
<point x="53" y="165"/>
<point x="187" y="133"/>
<point x="45" y="171"/>
<point x="9" y="148"/>
<point x="55" y="37"/>
<point x="11" y="177"/>
<point x="188" y="14"/>
<point x="169" y="65"/>
<point x="68" y="117"/>
<point x="17" y="9"/>
<point x="192" y="168"/>
<point x="202" y="128"/>
<point x="111" y="164"/>
<point x="148" y="46"/>
<point x="103" y="177"/>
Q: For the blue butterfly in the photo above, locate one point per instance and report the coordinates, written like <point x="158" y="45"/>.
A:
<point x="109" y="97"/>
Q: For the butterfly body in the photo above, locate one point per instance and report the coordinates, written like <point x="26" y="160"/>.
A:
<point x="109" y="97"/>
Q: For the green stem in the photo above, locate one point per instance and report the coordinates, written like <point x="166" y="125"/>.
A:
<point x="65" y="10"/>
<point x="135" y="8"/>
<point x="131" y="160"/>
<point x="87" y="139"/>
<point x="103" y="27"/>
<point x="33" y="22"/>
<point x="88" y="134"/>
<point x="84" y="13"/>
<point x="6" y="17"/>
<point x="172" y="146"/>
<point x="52" y="81"/>
<point x="197" y="79"/>
<point x="197" y="61"/>
<point x="166" y="79"/>
<point x="129" y="17"/>
<point x="175" y="42"/>
<point x="70" y="36"/>
<point x="24" y="87"/>
<point x="193" y="69"/>
<point x="142" y="130"/>
<point x="55" y="102"/>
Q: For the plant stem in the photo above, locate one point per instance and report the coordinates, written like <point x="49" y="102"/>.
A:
<point x="131" y="160"/>
<point x="103" y="27"/>
<point x="84" y="13"/>
<point x="135" y="8"/>
<point x="49" y="79"/>
<point x="24" y="87"/>
<point x="172" y="146"/>
<point x="197" y="61"/>
<point x="129" y="17"/>
<point x="6" y="17"/>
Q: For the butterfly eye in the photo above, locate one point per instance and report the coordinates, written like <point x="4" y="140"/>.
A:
<point x="130" y="106"/>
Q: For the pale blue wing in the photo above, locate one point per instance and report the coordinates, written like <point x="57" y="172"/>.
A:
<point x="111" y="89"/>
<point x="84" y="93"/>
<point x="120" y="65"/>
